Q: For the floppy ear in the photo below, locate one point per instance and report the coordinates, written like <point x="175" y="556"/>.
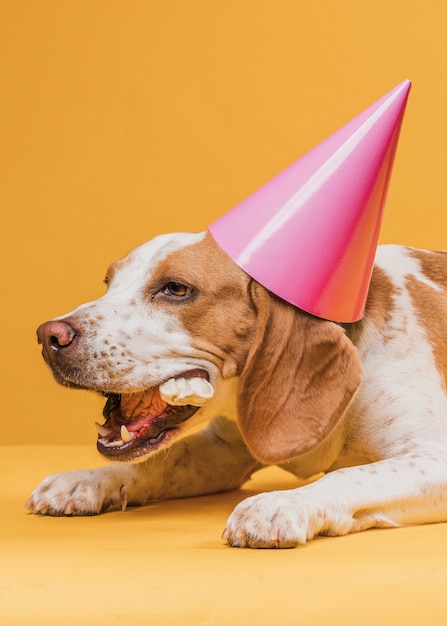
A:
<point x="299" y="378"/>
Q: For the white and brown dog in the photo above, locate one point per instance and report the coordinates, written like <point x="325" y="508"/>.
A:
<point x="184" y="338"/>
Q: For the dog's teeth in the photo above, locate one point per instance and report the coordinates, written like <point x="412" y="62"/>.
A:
<point x="113" y="444"/>
<point x="102" y="430"/>
<point x="196" y="391"/>
<point x="126" y="435"/>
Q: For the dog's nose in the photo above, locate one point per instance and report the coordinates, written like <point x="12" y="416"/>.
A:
<point x="55" y="336"/>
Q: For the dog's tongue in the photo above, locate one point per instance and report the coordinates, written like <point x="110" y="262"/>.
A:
<point x="145" y="414"/>
<point x="141" y="404"/>
<point x="135" y="413"/>
<point x="140" y="409"/>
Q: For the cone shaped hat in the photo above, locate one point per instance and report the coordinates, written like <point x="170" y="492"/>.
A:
<point x="310" y="234"/>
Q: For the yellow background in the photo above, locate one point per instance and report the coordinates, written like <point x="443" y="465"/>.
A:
<point x="121" y="120"/>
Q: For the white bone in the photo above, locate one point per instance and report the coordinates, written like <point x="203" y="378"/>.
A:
<point x="196" y="391"/>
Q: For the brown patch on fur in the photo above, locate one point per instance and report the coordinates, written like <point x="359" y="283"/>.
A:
<point x="379" y="307"/>
<point x="433" y="265"/>
<point x="301" y="374"/>
<point x="219" y="318"/>
<point x="431" y="309"/>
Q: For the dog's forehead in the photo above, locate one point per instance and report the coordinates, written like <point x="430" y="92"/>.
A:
<point x="143" y="261"/>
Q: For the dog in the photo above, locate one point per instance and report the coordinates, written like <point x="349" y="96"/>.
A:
<point x="193" y="355"/>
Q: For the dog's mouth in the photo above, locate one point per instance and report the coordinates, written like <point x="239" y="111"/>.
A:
<point x="139" y="423"/>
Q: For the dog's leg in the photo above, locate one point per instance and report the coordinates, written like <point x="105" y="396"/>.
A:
<point x="209" y="461"/>
<point x="394" y="492"/>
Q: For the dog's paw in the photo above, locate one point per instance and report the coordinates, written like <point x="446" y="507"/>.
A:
<point x="270" y="520"/>
<point x="81" y="492"/>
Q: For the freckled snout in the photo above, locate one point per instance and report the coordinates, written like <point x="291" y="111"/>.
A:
<point x="57" y="338"/>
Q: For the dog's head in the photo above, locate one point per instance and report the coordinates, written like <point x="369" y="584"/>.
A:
<point x="178" y="319"/>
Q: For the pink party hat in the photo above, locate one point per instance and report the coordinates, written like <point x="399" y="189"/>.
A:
<point x="310" y="234"/>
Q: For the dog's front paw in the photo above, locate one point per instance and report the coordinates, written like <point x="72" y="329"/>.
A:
<point x="270" y="520"/>
<point x="81" y="492"/>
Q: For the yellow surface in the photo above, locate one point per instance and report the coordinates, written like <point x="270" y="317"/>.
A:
<point x="165" y="563"/>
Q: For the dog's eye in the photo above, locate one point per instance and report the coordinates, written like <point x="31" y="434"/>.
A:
<point x="177" y="290"/>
